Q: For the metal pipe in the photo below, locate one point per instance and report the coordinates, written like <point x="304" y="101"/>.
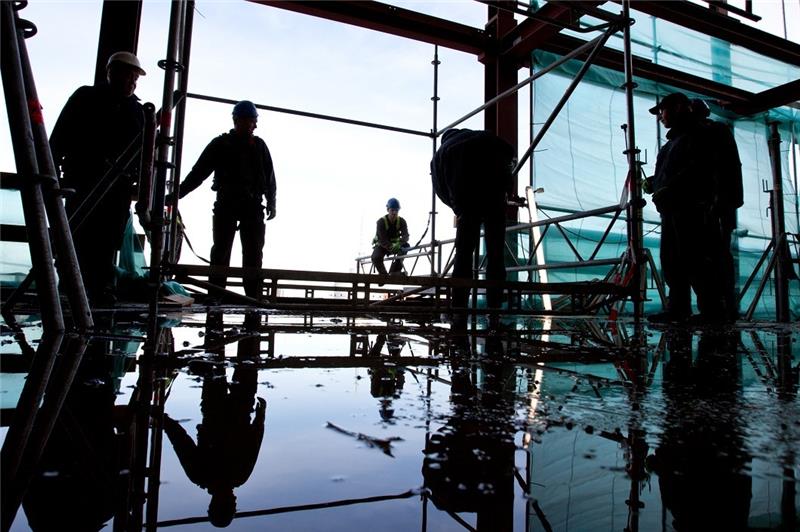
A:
<point x="68" y="268"/>
<point x="599" y="42"/>
<point x="435" y="100"/>
<point x="574" y="53"/>
<point x="312" y="115"/>
<point x="782" y="313"/>
<point x="180" y="118"/>
<point x="635" y="204"/>
<point x="25" y="157"/>
<point x="164" y="140"/>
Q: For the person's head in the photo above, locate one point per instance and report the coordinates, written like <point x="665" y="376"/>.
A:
<point x="245" y="118"/>
<point x="700" y="108"/>
<point x="673" y="110"/>
<point x="449" y="133"/>
<point x="392" y="207"/>
<point x="122" y="72"/>
<point x="222" y="508"/>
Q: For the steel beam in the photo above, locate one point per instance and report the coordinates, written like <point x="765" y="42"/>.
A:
<point x="613" y="59"/>
<point x="786" y="94"/>
<point x="708" y="22"/>
<point x="392" y="20"/>
<point x="119" y="31"/>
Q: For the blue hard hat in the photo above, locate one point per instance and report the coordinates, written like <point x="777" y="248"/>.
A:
<point x="246" y="109"/>
<point x="393" y="204"/>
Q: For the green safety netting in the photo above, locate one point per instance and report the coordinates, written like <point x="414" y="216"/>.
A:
<point x="581" y="165"/>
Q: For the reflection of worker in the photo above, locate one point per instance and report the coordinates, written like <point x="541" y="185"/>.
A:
<point x="387" y="381"/>
<point x="227" y="442"/>
<point x="683" y="192"/>
<point x="243" y="174"/>
<point x="469" y="463"/>
<point x="701" y="459"/>
<point x="391" y="236"/>
<point x="471" y="174"/>
<point x="96" y="142"/>
<point x="728" y="196"/>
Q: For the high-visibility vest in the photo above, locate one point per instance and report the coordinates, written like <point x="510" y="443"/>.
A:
<point x="386" y="225"/>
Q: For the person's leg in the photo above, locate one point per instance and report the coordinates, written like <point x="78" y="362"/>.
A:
<point x="468" y="229"/>
<point x="224" y="230"/>
<point x="397" y="264"/>
<point x="495" y="233"/>
<point x="378" y="254"/>
<point x="251" y="233"/>
<point x="679" y="302"/>
<point x="701" y="250"/>
<point x="729" y="293"/>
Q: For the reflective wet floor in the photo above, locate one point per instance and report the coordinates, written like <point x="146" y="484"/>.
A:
<point x="299" y="422"/>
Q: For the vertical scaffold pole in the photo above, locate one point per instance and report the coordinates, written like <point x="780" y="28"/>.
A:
<point x="434" y="137"/>
<point x="27" y="166"/>
<point x="782" y="314"/>
<point x="634" y="213"/>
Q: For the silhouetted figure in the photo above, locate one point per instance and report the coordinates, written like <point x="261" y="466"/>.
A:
<point x="472" y="174"/>
<point x="391" y="236"/>
<point x="469" y="463"/>
<point x="96" y="142"/>
<point x="728" y="197"/>
<point x="684" y="191"/>
<point x="701" y="459"/>
<point x="228" y="441"/>
<point x="243" y="175"/>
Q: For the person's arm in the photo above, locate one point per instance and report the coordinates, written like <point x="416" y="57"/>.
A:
<point x="270" y="187"/>
<point x="65" y="132"/>
<point x="403" y="232"/>
<point x="205" y="165"/>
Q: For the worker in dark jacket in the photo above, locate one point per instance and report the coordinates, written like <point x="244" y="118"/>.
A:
<point x="243" y="175"/>
<point x="683" y="189"/>
<point x="472" y="174"/>
<point x="728" y="196"/>
<point x="96" y="142"/>
<point x="391" y="236"/>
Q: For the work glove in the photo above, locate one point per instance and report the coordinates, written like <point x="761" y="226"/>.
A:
<point x="396" y="247"/>
<point x="647" y="185"/>
<point x="271" y="212"/>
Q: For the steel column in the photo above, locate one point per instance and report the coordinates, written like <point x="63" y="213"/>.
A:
<point x="119" y="31"/>
<point x="780" y="250"/>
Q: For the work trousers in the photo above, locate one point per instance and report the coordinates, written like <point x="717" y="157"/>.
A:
<point x="97" y="232"/>
<point x="468" y="229"/>
<point x="249" y="220"/>
<point x="379" y="253"/>
<point x="728" y="268"/>
<point x="691" y="260"/>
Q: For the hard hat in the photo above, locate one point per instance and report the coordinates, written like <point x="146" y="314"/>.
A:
<point x="126" y="58"/>
<point x="246" y="109"/>
<point x="393" y="204"/>
<point x="670" y="100"/>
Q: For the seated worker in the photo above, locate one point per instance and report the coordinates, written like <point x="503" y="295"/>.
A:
<point x="391" y="236"/>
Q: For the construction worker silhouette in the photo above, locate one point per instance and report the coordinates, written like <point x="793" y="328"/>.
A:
<point x="96" y="142"/>
<point x="391" y="236"/>
<point x="728" y="196"/>
<point x="471" y="173"/>
<point x="684" y="191"/>
<point x="228" y="442"/>
<point x="243" y="175"/>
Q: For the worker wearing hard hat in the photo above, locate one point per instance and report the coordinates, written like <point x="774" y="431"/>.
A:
<point x="684" y="190"/>
<point x="243" y="178"/>
<point x="96" y="143"/>
<point x="391" y="237"/>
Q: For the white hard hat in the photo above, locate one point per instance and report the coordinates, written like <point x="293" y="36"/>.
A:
<point x="128" y="59"/>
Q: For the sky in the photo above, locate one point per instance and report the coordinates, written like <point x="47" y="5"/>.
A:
<point x="333" y="179"/>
